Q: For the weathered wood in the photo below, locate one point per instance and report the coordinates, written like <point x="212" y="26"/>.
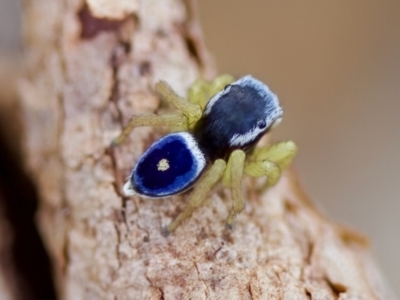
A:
<point x="90" y="66"/>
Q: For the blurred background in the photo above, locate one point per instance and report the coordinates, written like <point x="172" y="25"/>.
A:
<point x="335" y="66"/>
<point x="336" y="69"/>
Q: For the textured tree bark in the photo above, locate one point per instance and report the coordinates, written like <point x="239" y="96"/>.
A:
<point x="90" y="66"/>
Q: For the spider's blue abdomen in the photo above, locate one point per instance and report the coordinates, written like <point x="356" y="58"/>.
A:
<point x="171" y="165"/>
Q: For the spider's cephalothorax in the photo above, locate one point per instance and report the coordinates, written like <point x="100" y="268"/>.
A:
<point x="218" y="127"/>
<point x="236" y="118"/>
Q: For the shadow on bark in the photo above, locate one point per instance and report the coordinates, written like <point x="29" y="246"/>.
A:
<point x="28" y="254"/>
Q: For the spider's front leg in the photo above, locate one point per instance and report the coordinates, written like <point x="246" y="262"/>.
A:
<point x="188" y="113"/>
<point x="233" y="179"/>
<point x="201" y="90"/>
<point x="149" y="120"/>
<point x="270" y="161"/>
<point x="199" y="193"/>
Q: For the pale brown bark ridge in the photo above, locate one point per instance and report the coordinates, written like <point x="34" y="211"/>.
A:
<point x="92" y="65"/>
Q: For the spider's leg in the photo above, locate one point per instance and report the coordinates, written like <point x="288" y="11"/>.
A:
<point x="188" y="114"/>
<point x="191" y="111"/>
<point x="198" y="92"/>
<point x="233" y="178"/>
<point x="149" y="120"/>
<point x="281" y="153"/>
<point x="199" y="193"/>
<point x="264" y="168"/>
<point x="201" y="91"/>
<point x="219" y="83"/>
<point x="271" y="161"/>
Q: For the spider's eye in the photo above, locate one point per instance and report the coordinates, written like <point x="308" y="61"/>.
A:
<point x="262" y="124"/>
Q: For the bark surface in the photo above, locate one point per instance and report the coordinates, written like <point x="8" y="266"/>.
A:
<point x="93" y="64"/>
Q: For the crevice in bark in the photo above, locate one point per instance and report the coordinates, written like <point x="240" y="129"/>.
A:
<point x="192" y="34"/>
<point x="337" y="288"/>
<point x="162" y="294"/>
<point x="117" y="244"/>
<point x="92" y="26"/>
<point x="310" y="252"/>
<point x="29" y="256"/>
<point x="192" y="48"/>
<point x="118" y="56"/>
<point x="60" y="130"/>
<point x="250" y="292"/>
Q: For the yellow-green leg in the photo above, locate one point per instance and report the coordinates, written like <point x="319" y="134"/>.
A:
<point x="199" y="193"/>
<point x="191" y="111"/>
<point x="201" y="90"/>
<point x="188" y="113"/>
<point x="271" y="161"/>
<point x="264" y="168"/>
<point x="233" y="178"/>
<point x="219" y="83"/>
<point x="149" y="120"/>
